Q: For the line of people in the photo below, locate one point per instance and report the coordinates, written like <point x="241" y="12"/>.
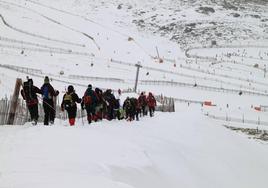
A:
<point x="98" y="104"/>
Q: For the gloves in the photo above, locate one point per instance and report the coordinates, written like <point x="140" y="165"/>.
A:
<point x="57" y="92"/>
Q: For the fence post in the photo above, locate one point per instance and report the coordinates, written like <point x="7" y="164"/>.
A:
<point x="12" y="111"/>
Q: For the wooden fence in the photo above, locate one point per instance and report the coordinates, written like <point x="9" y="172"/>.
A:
<point x="22" y="114"/>
<point x="165" y="104"/>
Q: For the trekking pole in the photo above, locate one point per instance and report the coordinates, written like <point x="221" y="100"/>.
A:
<point x="47" y="104"/>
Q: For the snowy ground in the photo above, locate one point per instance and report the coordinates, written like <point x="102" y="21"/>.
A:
<point x="155" y="152"/>
<point x="100" y="39"/>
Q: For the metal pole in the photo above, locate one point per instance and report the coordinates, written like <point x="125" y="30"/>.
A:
<point x="138" y="65"/>
<point x="157" y="52"/>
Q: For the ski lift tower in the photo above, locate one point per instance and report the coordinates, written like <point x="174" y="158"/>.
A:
<point x="138" y="65"/>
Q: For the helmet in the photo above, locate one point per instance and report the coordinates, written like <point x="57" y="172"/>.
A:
<point x="70" y="88"/>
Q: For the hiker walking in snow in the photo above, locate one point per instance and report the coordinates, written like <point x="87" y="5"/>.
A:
<point x="129" y="109"/>
<point x="135" y="107"/>
<point x="111" y="102"/>
<point x="151" y="103"/>
<point x="69" y="100"/>
<point x="143" y="103"/>
<point x="89" y="101"/>
<point x="29" y="94"/>
<point x="101" y="105"/>
<point x="48" y="94"/>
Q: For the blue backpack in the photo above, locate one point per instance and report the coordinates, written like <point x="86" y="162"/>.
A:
<point x="46" y="94"/>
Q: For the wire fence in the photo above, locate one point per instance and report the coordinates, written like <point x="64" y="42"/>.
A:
<point x="25" y="70"/>
<point x="36" y="35"/>
<point x="227" y="118"/>
<point x="223" y="75"/>
<point x="38" y="73"/>
<point x="92" y="78"/>
<point x="201" y="87"/>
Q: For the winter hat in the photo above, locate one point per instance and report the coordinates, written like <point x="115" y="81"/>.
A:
<point x="89" y="86"/>
<point x="30" y="81"/>
<point x="70" y="88"/>
<point x="46" y="80"/>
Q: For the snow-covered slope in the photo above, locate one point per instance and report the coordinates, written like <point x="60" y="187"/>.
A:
<point x="99" y="42"/>
<point x="159" y="152"/>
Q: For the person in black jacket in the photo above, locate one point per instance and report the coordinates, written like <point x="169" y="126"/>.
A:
<point x="29" y="94"/>
<point x="89" y="102"/>
<point x="110" y="99"/>
<point x="70" y="98"/>
<point x="48" y="94"/>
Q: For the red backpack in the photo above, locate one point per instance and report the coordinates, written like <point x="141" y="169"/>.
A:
<point x="87" y="100"/>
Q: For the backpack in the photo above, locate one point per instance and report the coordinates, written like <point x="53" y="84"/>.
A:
<point x="68" y="100"/>
<point x="27" y="89"/>
<point x="128" y="104"/>
<point x="151" y="101"/>
<point x="46" y="94"/>
<point x="87" y="100"/>
<point x="90" y="97"/>
<point x="142" y="100"/>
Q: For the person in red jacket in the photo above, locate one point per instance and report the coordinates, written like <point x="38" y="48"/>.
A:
<point x="70" y="98"/>
<point x="143" y="103"/>
<point x="151" y="102"/>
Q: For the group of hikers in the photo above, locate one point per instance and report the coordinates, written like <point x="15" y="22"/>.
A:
<point x="98" y="104"/>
